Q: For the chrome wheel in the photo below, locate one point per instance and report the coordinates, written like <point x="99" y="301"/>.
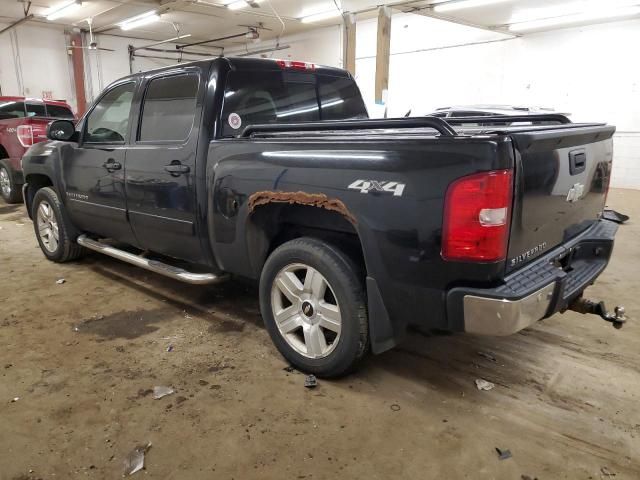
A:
<point x="47" y="226"/>
<point x="5" y="182"/>
<point x="306" y="311"/>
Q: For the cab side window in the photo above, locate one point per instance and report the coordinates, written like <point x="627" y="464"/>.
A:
<point x="36" y="110"/>
<point x="108" y="122"/>
<point x="9" y="110"/>
<point x="169" y="109"/>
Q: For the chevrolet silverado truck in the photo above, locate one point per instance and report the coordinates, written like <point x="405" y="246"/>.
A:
<point x="23" y="122"/>
<point x="355" y="228"/>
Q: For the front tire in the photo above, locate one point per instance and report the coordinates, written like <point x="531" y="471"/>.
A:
<point x="313" y="303"/>
<point x="53" y="228"/>
<point x="8" y="188"/>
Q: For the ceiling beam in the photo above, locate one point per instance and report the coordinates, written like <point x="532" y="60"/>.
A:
<point x="349" y="43"/>
<point x="383" y="51"/>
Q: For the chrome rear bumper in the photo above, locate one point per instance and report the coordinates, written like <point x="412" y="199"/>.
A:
<point x="501" y="317"/>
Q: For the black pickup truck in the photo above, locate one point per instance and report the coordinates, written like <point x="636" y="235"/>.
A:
<point x="356" y="228"/>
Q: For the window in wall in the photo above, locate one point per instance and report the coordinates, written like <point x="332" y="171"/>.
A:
<point x="108" y="122"/>
<point x="169" y="108"/>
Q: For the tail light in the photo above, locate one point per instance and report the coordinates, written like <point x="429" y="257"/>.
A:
<point x="476" y="217"/>
<point x="30" y="134"/>
<point x="287" y="64"/>
<point x="25" y="135"/>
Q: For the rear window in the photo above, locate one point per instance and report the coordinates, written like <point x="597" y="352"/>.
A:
<point x="10" y="109"/>
<point x="287" y="97"/>
<point x="169" y="108"/>
<point x="58" y="111"/>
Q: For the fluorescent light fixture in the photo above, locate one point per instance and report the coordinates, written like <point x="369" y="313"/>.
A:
<point x="318" y="17"/>
<point x="237" y="5"/>
<point x="63" y="10"/>
<point x="460" y="4"/>
<point x="140" y="20"/>
<point x="588" y="16"/>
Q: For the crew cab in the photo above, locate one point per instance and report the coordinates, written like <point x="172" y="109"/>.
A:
<point x="355" y="228"/>
<point x="23" y="122"/>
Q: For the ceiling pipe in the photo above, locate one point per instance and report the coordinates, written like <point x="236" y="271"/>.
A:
<point x="228" y="37"/>
<point x="15" y="24"/>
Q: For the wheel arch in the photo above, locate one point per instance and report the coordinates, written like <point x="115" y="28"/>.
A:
<point x="33" y="183"/>
<point x="271" y="224"/>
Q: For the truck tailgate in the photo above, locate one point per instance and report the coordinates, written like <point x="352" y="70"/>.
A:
<point x="562" y="178"/>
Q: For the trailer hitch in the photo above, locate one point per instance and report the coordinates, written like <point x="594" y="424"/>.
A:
<point x="584" y="306"/>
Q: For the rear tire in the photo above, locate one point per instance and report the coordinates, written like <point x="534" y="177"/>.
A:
<point x="8" y="188"/>
<point x="314" y="306"/>
<point x="53" y="228"/>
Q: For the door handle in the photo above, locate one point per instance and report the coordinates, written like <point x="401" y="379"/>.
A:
<point x="111" y="165"/>
<point x="175" y="168"/>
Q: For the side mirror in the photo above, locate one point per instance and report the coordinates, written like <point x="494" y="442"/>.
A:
<point x="63" y="130"/>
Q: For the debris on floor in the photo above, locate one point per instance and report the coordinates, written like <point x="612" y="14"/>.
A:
<point x="310" y="381"/>
<point x="170" y="348"/>
<point x="606" y="472"/>
<point x="488" y="356"/>
<point x="527" y="477"/>
<point x="615" y="216"/>
<point x="289" y="369"/>
<point x="483" y="384"/>
<point x="135" y="460"/>
<point x="15" y="399"/>
<point x="60" y="281"/>
<point x="160" y="391"/>
<point x="503" y="454"/>
<point x="395" y="407"/>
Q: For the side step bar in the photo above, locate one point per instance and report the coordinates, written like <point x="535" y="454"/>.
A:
<point x="151" y="265"/>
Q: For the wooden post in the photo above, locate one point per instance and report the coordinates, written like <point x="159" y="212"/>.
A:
<point x="349" y="43"/>
<point x="382" y="54"/>
<point x="77" y="60"/>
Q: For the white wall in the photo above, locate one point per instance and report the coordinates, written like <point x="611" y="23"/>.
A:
<point x="34" y="59"/>
<point x="589" y="72"/>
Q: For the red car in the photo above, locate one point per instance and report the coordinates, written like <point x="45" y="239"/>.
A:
<point x="23" y="122"/>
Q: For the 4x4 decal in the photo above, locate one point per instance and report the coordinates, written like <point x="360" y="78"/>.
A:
<point x="367" y="186"/>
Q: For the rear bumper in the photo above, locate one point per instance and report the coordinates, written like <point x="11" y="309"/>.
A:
<point x="536" y="291"/>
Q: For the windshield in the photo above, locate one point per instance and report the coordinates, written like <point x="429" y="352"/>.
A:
<point x="287" y="97"/>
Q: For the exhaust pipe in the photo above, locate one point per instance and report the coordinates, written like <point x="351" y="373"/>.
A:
<point x="584" y="306"/>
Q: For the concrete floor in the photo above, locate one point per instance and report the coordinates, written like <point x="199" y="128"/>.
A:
<point x="81" y="356"/>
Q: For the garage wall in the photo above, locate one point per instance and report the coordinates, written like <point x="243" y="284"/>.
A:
<point x="33" y="60"/>
<point x="584" y="71"/>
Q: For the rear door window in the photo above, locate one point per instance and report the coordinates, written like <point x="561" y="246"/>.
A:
<point x="36" y="110"/>
<point x="10" y="109"/>
<point x="266" y="97"/>
<point x="169" y="109"/>
<point x="58" y="111"/>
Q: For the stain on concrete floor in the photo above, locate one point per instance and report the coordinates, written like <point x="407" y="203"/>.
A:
<point x="565" y="402"/>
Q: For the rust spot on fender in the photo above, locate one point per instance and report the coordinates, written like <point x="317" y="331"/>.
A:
<point x="319" y="200"/>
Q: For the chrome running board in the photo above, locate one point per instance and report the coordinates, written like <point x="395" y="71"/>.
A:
<point x="151" y="265"/>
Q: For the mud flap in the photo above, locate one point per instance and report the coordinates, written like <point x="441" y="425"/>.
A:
<point x="381" y="332"/>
